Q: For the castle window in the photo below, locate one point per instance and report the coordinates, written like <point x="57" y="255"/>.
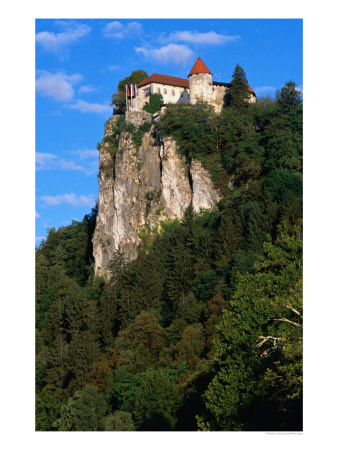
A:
<point x="158" y="90"/>
<point x="164" y="91"/>
<point x="173" y="92"/>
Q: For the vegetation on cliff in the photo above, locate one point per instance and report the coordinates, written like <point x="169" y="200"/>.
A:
<point x="155" y="103"/>
<point x="204" y="329"/>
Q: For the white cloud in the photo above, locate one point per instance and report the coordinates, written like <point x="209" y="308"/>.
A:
<point x="37" y="215"/>
<point x="70" y="165"/>
<point x="87" y="89"/>
<point x="43" y="159"/>
<point x="69" y="199"/>
<point x="85" y="154"/>
<point x="172" y="53"/>
<point x="209" y="38"/>
<point x="57" y="85"/>
<point x="86" y="107"/>
<point x="48" y="161"/>
<point x="117" y="30"/>
<point x="112" y="27"/>
<point x="264" y="89"/>
<point x="54" y="42"/>
<point x="114" y="67"/>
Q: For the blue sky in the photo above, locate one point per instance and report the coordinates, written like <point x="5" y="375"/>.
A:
<point x="80" y="62"/>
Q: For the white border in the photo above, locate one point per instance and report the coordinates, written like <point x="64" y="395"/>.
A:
<point x="17" y="227"/>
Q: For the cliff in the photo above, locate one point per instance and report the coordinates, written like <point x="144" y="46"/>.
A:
<point x="142" y="184"/>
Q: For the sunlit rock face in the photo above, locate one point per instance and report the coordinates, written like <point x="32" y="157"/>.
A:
<point x="141" y="187"/>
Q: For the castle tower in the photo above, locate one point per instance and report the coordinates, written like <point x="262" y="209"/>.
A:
<point x="200" y="82"/>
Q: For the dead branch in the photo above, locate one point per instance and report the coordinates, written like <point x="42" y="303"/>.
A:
<point x="293" y="309"/>
<point x="266" y="338"/>
<point x="289" y="321"/>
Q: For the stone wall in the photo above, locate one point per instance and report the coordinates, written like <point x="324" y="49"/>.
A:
<point x="137" y="118"/>
<point x="218" y="97"/>
<point x="200" y="87"/>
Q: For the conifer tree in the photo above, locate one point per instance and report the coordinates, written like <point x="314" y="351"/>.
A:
<point x="288" y="97"/>
<point x="107" y="312"/>
<point x="157" y="404"/>
<point x="190" y="347"/>
<point x="239" y="91"/>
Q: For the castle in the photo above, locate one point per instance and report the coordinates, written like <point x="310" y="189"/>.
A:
<point x="180" y="90"/>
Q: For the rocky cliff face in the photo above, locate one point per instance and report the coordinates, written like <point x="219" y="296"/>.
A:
<point x="140" y="187"/>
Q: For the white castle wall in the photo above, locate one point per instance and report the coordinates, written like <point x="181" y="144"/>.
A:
<point x="170" y="94"/>
<point x="218" y="96"/>
<point x="200" y="87"/>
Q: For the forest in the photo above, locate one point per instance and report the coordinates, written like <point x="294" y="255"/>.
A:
<point x="203" y="331"/>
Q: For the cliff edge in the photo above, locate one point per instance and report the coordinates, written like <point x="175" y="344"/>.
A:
<point x="143" y="181"/>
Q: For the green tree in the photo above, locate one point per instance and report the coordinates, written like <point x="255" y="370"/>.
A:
<point x="47" y="406"/>
<point x="191" y="345"/>
<point x="155" y="409"/>
<point x="107" y="312"/>
<point x="189" y="309"/>
<point x="257" y="384"/>
<point x="119" y="98"/>
<point x="213" y="315"/>
<point x="237" y="140"/>
<point x="83" y="412"/>
<point x="139" y="345"/>
<point x="239" y="92"/>
<point x="282" y="184"/>
<point x="100" y="371"/>
<point x="288" y="97"/>
<point x="124" y="389"/>
<point x="69" y="247"/>
<point x="155" y="103"/>
<point x="119" y="421"/>
<point x="67" y="321"/>
<point x="192" y="126"/>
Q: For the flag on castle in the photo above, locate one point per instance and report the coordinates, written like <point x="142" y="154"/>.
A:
<point x="132" y="90"/>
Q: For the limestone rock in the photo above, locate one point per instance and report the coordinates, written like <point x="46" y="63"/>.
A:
<point x="204" y="195"/>
<point x="139" y="188"/>
<point x="137" y="117"/>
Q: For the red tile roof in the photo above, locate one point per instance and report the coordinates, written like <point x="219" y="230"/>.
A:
<point x="199" y="67"/>
<point x="165" y="79"/>
<point x="251" y="90"/>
